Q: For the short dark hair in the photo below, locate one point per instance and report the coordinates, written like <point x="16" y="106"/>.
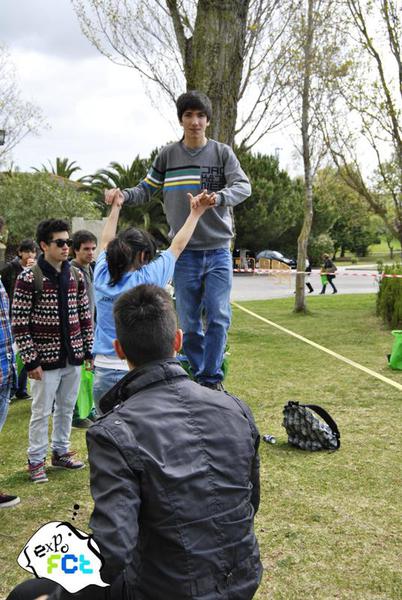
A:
<point x="27" y="245"/>
<point x="46" y="228"/>
<point x="82" y="237"/>
<point x="193" y="100"/>
<point x="146" y="324"/>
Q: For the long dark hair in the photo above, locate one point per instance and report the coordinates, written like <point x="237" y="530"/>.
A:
<point x="123" y="253"/>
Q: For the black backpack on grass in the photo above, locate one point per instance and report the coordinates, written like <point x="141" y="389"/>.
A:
<point x="307" y="432"/>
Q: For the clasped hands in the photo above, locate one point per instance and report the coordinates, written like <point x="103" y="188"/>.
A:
<point x="202" y="201"/>
<point x="114" y="196"/>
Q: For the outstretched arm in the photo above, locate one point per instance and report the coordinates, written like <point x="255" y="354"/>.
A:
<point x="110" y="227"/>
<point x="199" y="204"/>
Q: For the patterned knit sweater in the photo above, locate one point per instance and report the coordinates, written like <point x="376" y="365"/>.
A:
<point x="38" y="329"/>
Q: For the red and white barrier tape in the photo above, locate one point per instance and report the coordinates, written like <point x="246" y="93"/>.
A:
<point x="338" y="273"/>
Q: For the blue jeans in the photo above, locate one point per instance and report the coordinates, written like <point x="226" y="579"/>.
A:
<point x="203" y="280"/>
<point x="5" y="392"/>
<point x="104" y="380"/>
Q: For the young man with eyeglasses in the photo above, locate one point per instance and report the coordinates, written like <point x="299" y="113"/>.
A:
<point x="52" y="326"/>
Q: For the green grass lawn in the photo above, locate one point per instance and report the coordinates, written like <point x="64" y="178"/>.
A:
<point x="382" y="246"/>
<point x="329" y="524"/>
<point x="377" y="252"/>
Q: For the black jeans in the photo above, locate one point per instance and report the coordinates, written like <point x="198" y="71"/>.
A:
<point x="32" y="588"/>
<point x="330" y="279"/>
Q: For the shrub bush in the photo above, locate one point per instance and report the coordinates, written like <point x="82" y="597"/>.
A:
<point x="389" y="297"/>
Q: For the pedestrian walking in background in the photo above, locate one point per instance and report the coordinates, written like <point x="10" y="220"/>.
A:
<point x="308" y="270"/>
<point x="328" y="270"/>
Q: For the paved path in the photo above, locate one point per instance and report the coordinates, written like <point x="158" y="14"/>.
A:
<point x="263" y="287"/>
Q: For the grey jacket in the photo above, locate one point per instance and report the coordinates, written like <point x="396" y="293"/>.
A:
<point x="175" y="480"/>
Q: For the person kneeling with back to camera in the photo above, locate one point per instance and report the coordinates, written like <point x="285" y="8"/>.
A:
<point x="174" y="472"/>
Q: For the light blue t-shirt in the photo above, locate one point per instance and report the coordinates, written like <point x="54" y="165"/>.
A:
<point x="158" y="272"/>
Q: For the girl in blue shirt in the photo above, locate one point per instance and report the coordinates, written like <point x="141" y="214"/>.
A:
<point x="125" y="262"/>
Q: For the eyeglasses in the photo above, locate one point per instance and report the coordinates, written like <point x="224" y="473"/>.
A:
<point x="60" y="243"/>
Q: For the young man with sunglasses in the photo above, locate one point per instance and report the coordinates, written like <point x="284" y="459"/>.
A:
<point x="52" y="326"/>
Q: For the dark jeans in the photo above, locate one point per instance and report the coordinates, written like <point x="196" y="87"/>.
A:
<point x="32" y="588"/>
<point x="330" y="281"/>
<point x="22" y="381"/>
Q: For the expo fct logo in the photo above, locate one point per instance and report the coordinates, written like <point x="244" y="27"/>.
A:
<point x="64" y="554"/>
<point x="61" y="558"/>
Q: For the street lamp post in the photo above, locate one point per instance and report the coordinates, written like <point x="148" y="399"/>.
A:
<point x="2" y="137"/>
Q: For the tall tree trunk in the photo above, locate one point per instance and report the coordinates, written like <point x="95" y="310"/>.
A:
<point x="214" y="60"/>
<point x="302" y="241"/>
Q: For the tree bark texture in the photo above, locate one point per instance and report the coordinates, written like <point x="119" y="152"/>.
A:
<point x="302" y="241"/>
<point x="214" y="60"/>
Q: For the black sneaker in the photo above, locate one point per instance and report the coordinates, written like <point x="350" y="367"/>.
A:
<point x="22" y="396"/>
<point x="81" y="423"/>
<point x="7" y="501"/>
<point x="93" y="415"/>
<point x="217" y="385"/>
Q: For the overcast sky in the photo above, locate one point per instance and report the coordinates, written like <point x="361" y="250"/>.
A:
<point x="98" y="112"/>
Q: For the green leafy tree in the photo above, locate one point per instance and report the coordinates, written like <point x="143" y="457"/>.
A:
<point x="314" y="60"/>
<point x="275" y="205"/>
<point x="368" y="108"/>
<point x="27" y="198"/>
<point x="319" y="245"/>
<point x="351" y="225"/>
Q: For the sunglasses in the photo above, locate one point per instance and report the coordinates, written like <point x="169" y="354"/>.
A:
<point x="60" y="243"/>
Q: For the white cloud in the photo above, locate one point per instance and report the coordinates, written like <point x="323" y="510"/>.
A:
<point x="98" y="112"/>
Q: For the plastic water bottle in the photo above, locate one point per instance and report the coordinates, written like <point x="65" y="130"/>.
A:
<point x="270" y="439"/>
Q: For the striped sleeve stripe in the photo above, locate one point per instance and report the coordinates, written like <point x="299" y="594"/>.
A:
<point x="157" y="181"/>
<point x="188" y="185"/>
<point x="183" y="182"/>
<point x="183" y="171"/>
<point x="150" y="183"/>
<point x="183" y="178"/>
